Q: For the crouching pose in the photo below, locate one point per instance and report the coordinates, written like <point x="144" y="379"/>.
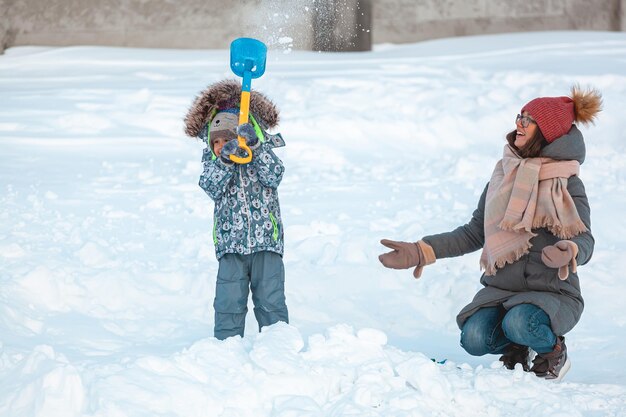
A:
<point x="533" y="226"/>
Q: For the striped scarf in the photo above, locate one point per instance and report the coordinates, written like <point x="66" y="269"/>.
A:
<point x="526" y="194"/>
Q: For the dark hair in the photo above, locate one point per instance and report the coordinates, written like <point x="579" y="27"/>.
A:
<point x="533" y="147"/>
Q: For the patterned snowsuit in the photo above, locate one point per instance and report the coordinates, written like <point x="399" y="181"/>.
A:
<point x="247" y="228"/>
<point x="248" y="237"/>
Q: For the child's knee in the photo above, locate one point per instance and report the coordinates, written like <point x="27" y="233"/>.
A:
<point x="268" y="282"/>
<point x="269" y="295"/>
<point x="231" y="296"/>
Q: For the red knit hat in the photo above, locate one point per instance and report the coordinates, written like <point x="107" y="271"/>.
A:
<point x="554" y="115"/>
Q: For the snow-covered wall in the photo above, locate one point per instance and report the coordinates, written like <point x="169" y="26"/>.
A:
<point x="213" y="24"/>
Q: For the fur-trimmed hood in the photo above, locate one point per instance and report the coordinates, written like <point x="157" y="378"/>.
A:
<point x="223" y="95"/>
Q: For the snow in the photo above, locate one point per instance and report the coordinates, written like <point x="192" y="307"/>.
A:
<point x="107" y="266"/>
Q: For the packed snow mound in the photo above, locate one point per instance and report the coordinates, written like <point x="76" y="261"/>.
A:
<point x="339" y="373"/>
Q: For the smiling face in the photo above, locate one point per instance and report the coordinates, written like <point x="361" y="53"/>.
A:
<point x="524" y="134"/>
<point x="222" y="129"/>
<point x="218" y="144"/>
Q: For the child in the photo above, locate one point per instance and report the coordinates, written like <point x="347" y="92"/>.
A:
<point x="247" y="230"/>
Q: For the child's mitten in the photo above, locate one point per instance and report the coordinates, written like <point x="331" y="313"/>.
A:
<point x="229" y="149"/>
<point x="561" y="255"/>
<point x="247" y="132"/>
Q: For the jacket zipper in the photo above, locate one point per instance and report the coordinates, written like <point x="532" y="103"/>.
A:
<point x="275" y="224"/>
<point x="247" y="206"/>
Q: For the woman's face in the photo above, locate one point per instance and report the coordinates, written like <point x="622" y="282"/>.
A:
<point x="524" y="134"/>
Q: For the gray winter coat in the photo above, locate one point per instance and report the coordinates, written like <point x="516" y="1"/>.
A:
<point x="528" y="280"/>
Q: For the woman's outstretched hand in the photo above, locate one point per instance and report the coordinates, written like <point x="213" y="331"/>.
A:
<point x="406" y="255"/>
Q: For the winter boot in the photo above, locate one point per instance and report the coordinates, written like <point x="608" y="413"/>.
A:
<point x="552" y="365"/>
<point x="514" y="354"/>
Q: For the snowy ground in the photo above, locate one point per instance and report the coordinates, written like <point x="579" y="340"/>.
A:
<point x="106" y="259"/>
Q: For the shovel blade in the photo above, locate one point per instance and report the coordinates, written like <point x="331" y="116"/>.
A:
<point x="248" y="55"/>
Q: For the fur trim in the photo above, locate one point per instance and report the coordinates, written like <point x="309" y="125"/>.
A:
<point x="587" y="104"/>
<point x="223" y="95"/>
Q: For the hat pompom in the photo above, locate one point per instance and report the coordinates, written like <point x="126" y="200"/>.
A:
<point x="587" y="104"/>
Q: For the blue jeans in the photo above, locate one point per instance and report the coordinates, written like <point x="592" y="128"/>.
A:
<point x="264" y="274"/>
<point x="492" y="329"/>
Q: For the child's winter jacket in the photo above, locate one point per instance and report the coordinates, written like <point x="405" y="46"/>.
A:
<point x="247" y="215"/>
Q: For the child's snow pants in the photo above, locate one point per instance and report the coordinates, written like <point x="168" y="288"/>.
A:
<point x="261" y="272"/>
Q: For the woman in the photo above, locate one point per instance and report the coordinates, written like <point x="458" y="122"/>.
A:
<point x="533" y="225"/>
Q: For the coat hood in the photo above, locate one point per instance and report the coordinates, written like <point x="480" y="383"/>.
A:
<point x="570" y="146"/>
<point x="224" y="95"/>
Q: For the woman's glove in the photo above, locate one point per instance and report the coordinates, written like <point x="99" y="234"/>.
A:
<point x="561" y="255"/>
<point x="406" y="255"/>
<point x="247" y="132"/>
<point x="229" y="149"/>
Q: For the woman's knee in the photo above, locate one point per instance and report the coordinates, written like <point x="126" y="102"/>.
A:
<point x="474" y="340"/>
<point x="481" y="331"/>
<point x="476" y="336"/>
<point x="522" y="320"/>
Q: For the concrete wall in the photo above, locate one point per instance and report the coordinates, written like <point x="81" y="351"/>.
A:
<point x="155" y="23"/>
<point x="342" y="25"/>
<point x="286" y="23"/>
<point x="414" y="20"/>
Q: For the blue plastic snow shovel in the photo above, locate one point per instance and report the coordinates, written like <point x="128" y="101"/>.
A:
<point x="247" y="60"/>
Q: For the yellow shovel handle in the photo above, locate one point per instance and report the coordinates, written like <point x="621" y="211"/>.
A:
<point x="242" y="159"/>
<point x="243" y="118"/>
